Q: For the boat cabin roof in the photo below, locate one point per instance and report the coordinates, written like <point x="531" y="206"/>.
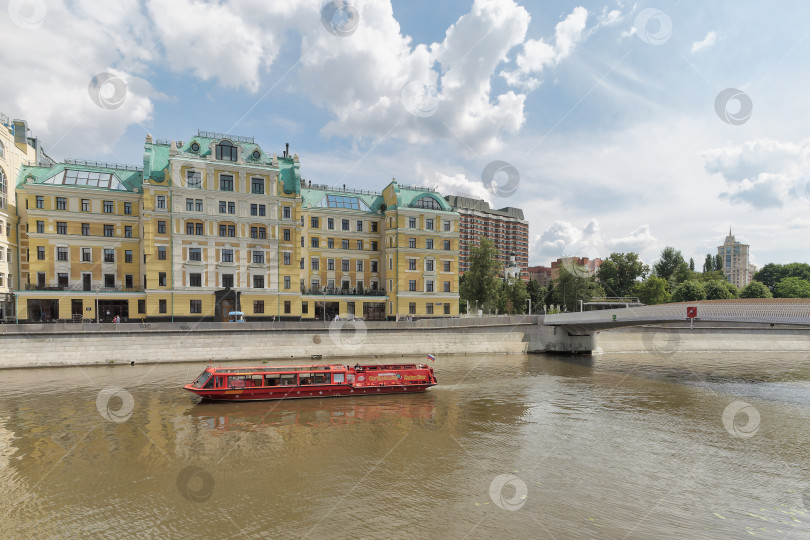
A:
<point x="268" y="369"/>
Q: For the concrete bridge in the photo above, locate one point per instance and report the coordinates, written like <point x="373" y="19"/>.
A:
<point x="773" y="311"/>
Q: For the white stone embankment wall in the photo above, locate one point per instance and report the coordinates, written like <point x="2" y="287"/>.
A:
<point x="728" y="338"/>
<point x="49" y="345"/>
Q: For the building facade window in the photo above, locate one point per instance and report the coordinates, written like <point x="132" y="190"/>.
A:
<point x="195" y="254"/>
<point x="258" y="306"/>
<point x="128" y="256"/>
<point x="127" y="231"/>
<point x="40" y="201"/>
<point x="194" y="179"/>
<point x="61" y="203"/>
<point x="411" y="243"/>
<point x="411" y="264"/>
<point x="85" y="205"/>
<point x="40" y="227"/>
<point x="195" y="306"/>
<point x="161" y="227"/>
<point x="162" y="281"/>
<point x="226" y="182"/>
<point x="227" y="281"/>
<point x="258" y="282"/>
<point x="258" y="257"/>
<point x="109" y="207"/>
<point x="226" y="255"/>
<point x="61" y="253"/>
<point x="412" y="285"/>
<point x="286" y="258"/>
<point x="160" y="202"/>
<point x="109" y="230"/>
<point x="128" y="208"/>
<point x="195" y="280"/>
<point x="161" y="306"/>
<point x="161" y="251"/>
<point x="226" y="151"/>
<point x="257" y="186"/>
<point x="87" y="254"/>
<point x="109" y="255"/>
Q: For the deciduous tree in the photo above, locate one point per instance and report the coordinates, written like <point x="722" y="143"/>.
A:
<point x="619" y="272"/>
<point x="755" y="289"/>
<point x="688" y="291"/>
<point x="482" y="280"/>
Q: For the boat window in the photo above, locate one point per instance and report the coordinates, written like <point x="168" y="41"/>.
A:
<point x="236" y="381"/>
<point x="288" y="379"/>
<point x="202" y="379"/>
<point x="323" y="378"/>
<point x="271" y="380"/>
<point x="338" y="377"/>
<point x="305" y="378"/>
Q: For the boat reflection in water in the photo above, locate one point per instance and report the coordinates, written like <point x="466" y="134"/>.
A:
<point x="256" y="416"/>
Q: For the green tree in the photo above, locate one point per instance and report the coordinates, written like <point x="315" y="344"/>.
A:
<point x="689" y="291"/>
<point x="720" y="290"/>
<point x="718" y="262"/>
<point x="799" y="270"/>
<point x="482" y="281"/>
<point x="708" y="264"/>
<point x="691" y="264"/>
<point x="619" y="272"/>
<point x="536" y="293"/>
<point x="792" y="287"/>
<point x="653" y="290"/>
<point x="670" y="263"/>
<point x="516" y="296"/>
<point x="570" y="288"/>
<point x="770" y="274"/>
<point x="755" y="289"/>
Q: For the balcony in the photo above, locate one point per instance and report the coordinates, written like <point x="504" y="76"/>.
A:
<point x="79" y="287"/>
<point x="335" y="291"/>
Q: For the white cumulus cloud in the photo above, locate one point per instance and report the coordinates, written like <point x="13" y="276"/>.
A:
<point x="705" y="43"/>
<point x="762" y="173"/>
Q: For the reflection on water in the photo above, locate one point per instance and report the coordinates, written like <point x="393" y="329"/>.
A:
<point x="619" y="446"/>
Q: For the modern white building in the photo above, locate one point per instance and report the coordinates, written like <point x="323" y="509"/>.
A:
<point x="736" y="266"/>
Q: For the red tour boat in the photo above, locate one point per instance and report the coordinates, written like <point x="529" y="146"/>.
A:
<point x="327" y="380"/>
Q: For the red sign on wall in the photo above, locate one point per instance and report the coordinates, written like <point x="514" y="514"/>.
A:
<point x="691" y="312"/>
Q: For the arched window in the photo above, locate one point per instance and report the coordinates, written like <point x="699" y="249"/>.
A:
<point x="3" y="188"/>
<point x="2" y="150"/>
<point x="427" y="202"/>
<point x="226" y="151"/>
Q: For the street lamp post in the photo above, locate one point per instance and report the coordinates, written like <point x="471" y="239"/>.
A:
<point x="530" y="305"/>
<point x="580" y="305"/>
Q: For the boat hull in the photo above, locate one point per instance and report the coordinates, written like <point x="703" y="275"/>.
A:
<point x="297" y="392"/>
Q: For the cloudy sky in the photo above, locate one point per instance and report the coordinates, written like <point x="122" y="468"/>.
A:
<point x="618" y="126"/>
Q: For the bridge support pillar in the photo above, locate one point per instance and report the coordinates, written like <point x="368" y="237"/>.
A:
<point x="558" y="340"/>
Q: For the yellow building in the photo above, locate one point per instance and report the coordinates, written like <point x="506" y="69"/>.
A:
<point x="215" y="225"/>
<point x="80" y="242"/>
<point x="16" y="150"/>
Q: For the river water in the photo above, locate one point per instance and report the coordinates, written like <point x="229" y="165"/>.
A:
<point x="617" y="446"/>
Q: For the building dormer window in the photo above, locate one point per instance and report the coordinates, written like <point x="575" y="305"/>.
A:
<point x="195" y="146"/>
<point x="427" y="202"/>
<point x="226" y="151"/>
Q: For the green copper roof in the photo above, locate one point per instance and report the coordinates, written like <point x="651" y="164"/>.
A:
<point x="313" y="197"/>
<point x="407" y="196"/>
<point x="289" y="175"/>
<point x="126" y="177"/>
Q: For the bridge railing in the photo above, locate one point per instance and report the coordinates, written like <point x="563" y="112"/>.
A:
<point x="759" y="312"/>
